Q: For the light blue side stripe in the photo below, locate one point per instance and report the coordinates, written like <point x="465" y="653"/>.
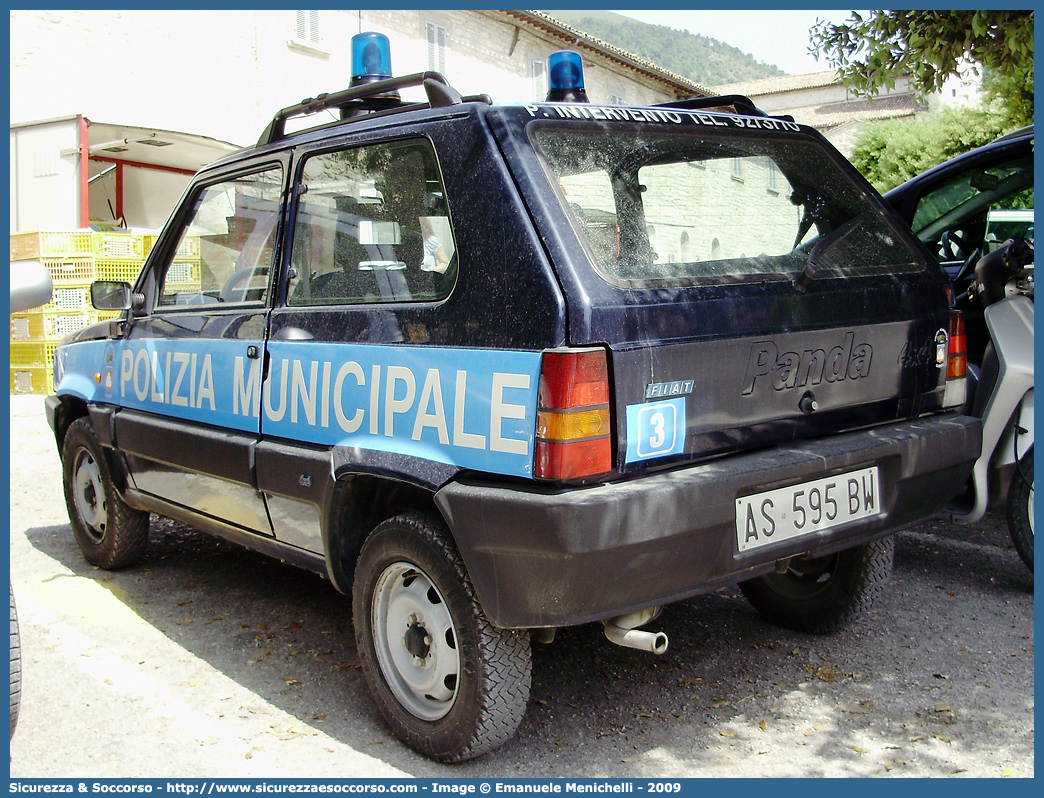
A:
<point x="465" y="407"/>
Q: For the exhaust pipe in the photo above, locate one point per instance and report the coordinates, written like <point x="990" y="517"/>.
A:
<point x="621" y="630"/>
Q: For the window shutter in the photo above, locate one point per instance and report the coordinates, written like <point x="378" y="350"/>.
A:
<point x="438" y="43"/>
<point x="538" y="72"/>
<point x="307" y="28"/>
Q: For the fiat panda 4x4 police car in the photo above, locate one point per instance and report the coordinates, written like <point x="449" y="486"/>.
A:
<point x="495" y="370"/>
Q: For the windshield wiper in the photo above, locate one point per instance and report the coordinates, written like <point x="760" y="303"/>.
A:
<point x="824" y="245"/>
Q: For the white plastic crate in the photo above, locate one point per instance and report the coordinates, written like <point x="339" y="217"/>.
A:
<point x="69" y="299"/>
<point x="129" y="246"/>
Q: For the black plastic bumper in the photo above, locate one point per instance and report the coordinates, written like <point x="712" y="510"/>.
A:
<point x="542" y="556"/>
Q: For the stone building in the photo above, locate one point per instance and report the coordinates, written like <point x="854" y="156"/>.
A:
<point x="221" y="76"/>
<point x="820" y="100"/>
<point x="224" y="74"/>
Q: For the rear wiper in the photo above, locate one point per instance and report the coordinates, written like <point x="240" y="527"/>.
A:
<point x="824" y="245"/>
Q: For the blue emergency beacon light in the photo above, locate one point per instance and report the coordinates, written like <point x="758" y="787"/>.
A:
<point x="371" y="63"/>
<point x="371" y="58"/>
<point x="566" y="78"/>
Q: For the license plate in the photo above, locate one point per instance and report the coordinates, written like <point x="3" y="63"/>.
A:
<point x="785" y="513"/>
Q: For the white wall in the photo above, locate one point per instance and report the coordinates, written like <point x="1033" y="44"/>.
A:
<point x="194" y="71"/>
<point x="149" y="195"/>
<point x="44" y="183"/>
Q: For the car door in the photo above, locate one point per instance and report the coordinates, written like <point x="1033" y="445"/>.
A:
<point x="366" y="368"/>
<point x="187" y="371"/>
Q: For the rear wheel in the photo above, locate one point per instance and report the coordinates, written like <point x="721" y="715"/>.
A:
<point x="1020" y="509"/>
<point x="450" y="684"/>
<point x="110" y="534"/>
<point x="819" y="595"/>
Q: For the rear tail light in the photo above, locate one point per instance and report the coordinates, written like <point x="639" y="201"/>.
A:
<point x="956" y="357"/>
<point x="573" y="438"/>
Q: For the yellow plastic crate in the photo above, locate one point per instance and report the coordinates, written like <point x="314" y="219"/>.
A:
<point x="38" y="379"/>
<point x="70" y="271"/>
<point x="35" y="245"/>
<point x="124" y="271"/>
<point x="42" y="326"/>
<point x="25" y="354"/>
<point x="124" y="246"/>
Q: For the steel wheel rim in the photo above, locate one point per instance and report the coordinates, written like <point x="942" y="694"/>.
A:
<point x="415" y="641"/>
<point x="89" y="495"/>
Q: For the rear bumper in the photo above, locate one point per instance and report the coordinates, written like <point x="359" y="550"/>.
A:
<point x="541" y="556"/>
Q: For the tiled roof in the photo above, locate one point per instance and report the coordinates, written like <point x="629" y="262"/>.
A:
<point x="573" y="37"/>
<point x="834" y="114"/>
<point x="781" y="83"/>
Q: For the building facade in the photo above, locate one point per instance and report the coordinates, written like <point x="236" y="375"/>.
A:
<point x="819" y="99"/>
<point x="222" y="75"/>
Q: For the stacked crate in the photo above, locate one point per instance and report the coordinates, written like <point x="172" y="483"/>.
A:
<point x="75" y="259"/>
<point x="184" y="275"/>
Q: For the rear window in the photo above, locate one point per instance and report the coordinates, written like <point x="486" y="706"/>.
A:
<point x="659" y="204"/>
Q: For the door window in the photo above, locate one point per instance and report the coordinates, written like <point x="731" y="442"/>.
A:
<point x="226" y="247"/>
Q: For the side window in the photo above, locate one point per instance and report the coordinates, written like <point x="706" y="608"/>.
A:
<point x="227" y="245"/>
<point x="372" y="227"/>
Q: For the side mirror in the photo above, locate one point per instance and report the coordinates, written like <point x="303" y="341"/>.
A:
<point x="114" y="295"/>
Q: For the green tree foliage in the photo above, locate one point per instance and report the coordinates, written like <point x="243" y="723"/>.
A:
<point x="701" y="59"/>
<point x="891" y="152"/>
<point x="931" y="46"/>
<point x="1010" y="95"/>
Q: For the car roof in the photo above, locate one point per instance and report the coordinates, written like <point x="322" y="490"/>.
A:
<point x="1010" y="141"/>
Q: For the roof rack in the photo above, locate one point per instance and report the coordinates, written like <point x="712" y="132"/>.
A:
<point x="361" y="101"/>
<point x="743" y="105"/>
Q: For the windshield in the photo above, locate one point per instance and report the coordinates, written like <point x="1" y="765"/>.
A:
<point x="655" y="205"/>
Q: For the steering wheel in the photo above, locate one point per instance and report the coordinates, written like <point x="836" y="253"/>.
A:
<point x="236" y="287"/>
<point x="967" y="269"/>
<point x="953" y="246"/>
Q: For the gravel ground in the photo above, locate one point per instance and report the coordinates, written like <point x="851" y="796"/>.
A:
<point x="207" y="660"/>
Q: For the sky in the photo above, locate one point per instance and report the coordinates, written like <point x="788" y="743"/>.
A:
<point x="774" y="37"/>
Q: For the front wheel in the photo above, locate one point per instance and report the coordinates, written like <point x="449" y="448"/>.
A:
<point x="110" y="533"/>
<point x="819" y="595"/>
<point x="16" y="666"/>
<point x="1020" y="509"/>
<point x="450" y="684"/>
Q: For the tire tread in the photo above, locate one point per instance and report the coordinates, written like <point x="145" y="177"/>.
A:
<point x="127" y="534"/>
<point x="867" y="570"/>
<point x="504" y="655"/>
<point x="16" y="666"/>
<point x="1018" y="514"/>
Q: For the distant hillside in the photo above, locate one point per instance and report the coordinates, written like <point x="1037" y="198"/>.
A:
<point x="707" y="61"/>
